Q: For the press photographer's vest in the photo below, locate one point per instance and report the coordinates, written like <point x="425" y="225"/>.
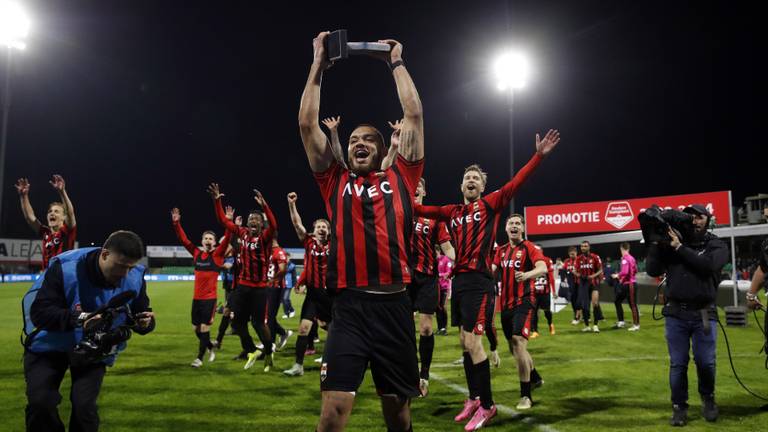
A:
<point x="81" y="296"/>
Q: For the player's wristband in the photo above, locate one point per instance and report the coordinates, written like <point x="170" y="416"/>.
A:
<point x="396" y="64"/>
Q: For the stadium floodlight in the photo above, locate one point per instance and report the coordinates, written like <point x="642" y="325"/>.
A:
<point x="14" y="25"/>
<point x="512" y="70"/>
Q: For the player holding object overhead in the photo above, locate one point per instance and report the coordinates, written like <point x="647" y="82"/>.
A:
<point x="371" y="215"/>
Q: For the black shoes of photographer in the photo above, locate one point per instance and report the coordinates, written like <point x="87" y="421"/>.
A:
<point x="709" y="409"/>
<point x="679" y="416"/>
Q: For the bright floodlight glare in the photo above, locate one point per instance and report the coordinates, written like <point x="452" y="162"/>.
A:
<point x="511" y="70"/>
<point x="14" y="25"/>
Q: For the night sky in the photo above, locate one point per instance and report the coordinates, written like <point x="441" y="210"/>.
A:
<point x="139" y="104"/>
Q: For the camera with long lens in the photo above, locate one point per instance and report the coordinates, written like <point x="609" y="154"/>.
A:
<point x="101" y="338"/>
<point x="655" y="224"/>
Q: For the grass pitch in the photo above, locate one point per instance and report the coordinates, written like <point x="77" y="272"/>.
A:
<point x="614" y="380"/>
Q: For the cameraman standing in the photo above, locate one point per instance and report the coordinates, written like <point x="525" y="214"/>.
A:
<point x="692" y="265"/>
<point x="75" y="283"/>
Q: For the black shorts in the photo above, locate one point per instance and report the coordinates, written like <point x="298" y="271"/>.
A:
<point x="543" y="301"/>
<point x="317" y="305"/>
<point x="250" y="304"/>
<point x="472" y="302"/>
<point x="424" y="293"/>
<point x="517" y="321"/>
<point x="376" y="329"/>
<point x="203" y="312"/>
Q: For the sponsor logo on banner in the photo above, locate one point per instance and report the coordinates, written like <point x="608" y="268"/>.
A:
<point x="619" y="214"/>
<point x="21" y="251"/>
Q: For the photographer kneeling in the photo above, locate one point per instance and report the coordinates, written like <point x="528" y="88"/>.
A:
<point x="78" y="316"/>
<point x="692" y="258"/>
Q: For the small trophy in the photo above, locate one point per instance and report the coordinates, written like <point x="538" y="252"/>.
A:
<point x="337" y="47"/>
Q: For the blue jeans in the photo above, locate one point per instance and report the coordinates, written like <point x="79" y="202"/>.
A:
<point x="286" y="301"/>
<point x="681" y="334"/>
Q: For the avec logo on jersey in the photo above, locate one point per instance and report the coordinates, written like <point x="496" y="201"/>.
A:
<point x="422" y="228"/>
<point x="371" y="192"/>
<point x="476" y="216"/>
<point x="516" y="264"/>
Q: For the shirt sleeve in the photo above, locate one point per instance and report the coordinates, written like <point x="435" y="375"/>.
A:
<point x="71" y="237"/>
<point x="497" y="257"/>
<point x="440" y="213"/>
<point x="221" y="249"/>
<point x="326" y="179"/>
<point x="183" y="239"/>
<point x="500" y="199"/>
<point x="222" y="218"/>
<point x="411" y="172"/>
<point x="442" y="233"/>
<point x="535" y="254"/>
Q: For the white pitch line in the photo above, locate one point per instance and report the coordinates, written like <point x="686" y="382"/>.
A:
<point x="499" y="407"/>
<point x="603" y="359"/>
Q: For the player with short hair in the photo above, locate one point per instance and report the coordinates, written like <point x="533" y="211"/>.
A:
<point x="588" y="270"/>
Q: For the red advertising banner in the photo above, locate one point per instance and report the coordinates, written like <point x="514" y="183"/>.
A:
<point x="618" y="215"/>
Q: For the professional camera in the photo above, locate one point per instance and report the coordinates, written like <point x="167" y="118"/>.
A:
<point x="99" y="339"/>
<point x="655" y="224"/>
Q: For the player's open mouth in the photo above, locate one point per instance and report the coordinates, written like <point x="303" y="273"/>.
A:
<point x="361" y="153"/>
<point x="471" y="187"/>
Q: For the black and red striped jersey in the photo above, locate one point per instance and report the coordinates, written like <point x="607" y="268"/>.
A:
<point x="371" y="221"/>
<point x="207" y="264"/>
<point x="510" y="259"/>
<point x="545" y="284"/>
<point x="587" y="265"/>
<point x="56" y="242"/>
<point x="473" y="225"/>
<point x="427" y="233"/>
<point x="315" y="262"/>
<point x="277" y="278"/>
<point x="254" y="250"/>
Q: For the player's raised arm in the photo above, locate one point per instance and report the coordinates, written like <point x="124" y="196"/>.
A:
<point x="215" y="192"/>
<point x="180" y="234"/>
<point x="319" y="152"/>
<point x="271" y="220"/>
<point x="60" y="185"/>
<point x="332" y="123"/>
<point x="412" y="132"/>
<point x="301" y="231"/>
<point x="22" y="187"/>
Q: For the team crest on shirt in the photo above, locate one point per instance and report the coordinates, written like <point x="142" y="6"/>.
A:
<point x="525" y="331"/>
<point x="479" y="328"/>
<point x="519" y="254"/>
<point x="323" y="372"/>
